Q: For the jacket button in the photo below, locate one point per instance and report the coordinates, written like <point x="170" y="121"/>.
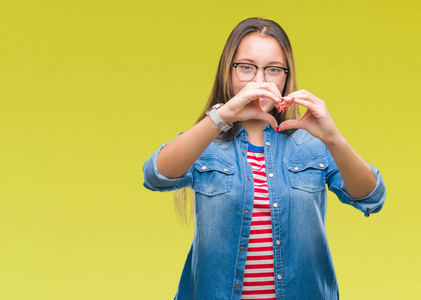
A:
<point x="243" y="153"/>
<point x="204" y="168"/>
<point x="237" y="284"/>
<point x="279" y="277"/>
<point x="248" y="178"/>
<point x="296" y="168"/>
<point x="267" y="144"/>
<point x="278" y="242"/>
<point x="244" y="134"/>
<point x="321" y="165"/>
<point x="241" y="249"/>
<point x="246" y="212"/>
<point x="225" y="170"/>
<point x="270" y="175"/>
<point x="275" y="205"/>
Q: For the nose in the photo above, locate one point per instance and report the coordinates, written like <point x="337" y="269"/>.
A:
<point x="260" y="75"/>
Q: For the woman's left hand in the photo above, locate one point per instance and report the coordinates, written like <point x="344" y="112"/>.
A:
<point x="317" y="120"/>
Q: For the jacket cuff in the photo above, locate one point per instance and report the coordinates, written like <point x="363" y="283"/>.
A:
<point x="155" y="181"/>
<point x="373" y="202"/>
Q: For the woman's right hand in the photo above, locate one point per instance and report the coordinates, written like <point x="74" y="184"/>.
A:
<point x="254" y="101"/>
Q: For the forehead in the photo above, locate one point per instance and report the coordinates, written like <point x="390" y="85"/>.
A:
<point x="260" y="49"/>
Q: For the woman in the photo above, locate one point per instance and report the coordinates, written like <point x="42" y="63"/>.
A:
<point x="260" y="188"/>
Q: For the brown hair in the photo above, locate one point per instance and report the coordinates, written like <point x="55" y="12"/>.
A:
<point x="222" y="90"/>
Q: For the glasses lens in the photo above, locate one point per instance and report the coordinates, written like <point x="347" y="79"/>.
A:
<point x="275" y="75"/>
<point x="245" y="72"/>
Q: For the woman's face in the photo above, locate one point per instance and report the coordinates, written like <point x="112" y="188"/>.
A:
<point x="262" y="51"/>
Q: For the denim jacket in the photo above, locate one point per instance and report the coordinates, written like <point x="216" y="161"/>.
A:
<point x="298" y="168"/>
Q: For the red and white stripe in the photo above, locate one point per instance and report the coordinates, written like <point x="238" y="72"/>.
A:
<point x="259" y="278"/>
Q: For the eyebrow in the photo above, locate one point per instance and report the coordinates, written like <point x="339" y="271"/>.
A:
<point x="269" y="64"/>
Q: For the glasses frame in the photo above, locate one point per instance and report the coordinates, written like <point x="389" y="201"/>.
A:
<point x="235" y="65"/>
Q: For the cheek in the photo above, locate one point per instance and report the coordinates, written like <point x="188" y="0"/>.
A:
<point x="237" y="85"/>
<point x="281" y="87"/>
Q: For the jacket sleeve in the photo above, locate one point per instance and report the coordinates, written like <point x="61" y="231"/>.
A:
<point x="155" y="181"/>
<point x="369" y="204"/>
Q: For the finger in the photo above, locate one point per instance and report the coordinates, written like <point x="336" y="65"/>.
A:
<point x="290" y="124"/>
<point x="271" y="87"/>
<point x="304" y="103"/>
<point x="318" y="110"/>
<point x="263" y="94"/>
<point x="280" y="105"/>
<point x="283" y="104"/>
<point x="287" y="101"/>
<point x="305" y="95"/>
<point x="300" y="92"/>
<point x="268" y="118"/>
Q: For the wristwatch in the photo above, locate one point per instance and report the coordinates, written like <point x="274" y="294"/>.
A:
<point x="213" y="114"/>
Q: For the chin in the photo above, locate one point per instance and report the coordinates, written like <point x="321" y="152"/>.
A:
<point x="266" y="105"/>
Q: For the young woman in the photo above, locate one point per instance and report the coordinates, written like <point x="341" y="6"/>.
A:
<point x="260" y="187"/>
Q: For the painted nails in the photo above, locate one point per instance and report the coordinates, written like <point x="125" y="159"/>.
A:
<point x="282" y="106"/>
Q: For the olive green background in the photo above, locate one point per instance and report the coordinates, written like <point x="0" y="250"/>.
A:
<point x="89" y="89"/>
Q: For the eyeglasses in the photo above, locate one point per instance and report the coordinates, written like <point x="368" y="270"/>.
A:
<point x="247" y="71"/>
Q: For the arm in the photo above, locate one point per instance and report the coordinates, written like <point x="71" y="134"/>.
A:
<point x="180" y="154"/>
<point x="357" y="175"/>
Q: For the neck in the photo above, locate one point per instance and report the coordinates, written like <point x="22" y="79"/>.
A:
<point x="255" y="130"/>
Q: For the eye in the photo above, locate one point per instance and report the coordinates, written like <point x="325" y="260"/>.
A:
<point x="245" y="68"/>
<point x="274" y="70"/>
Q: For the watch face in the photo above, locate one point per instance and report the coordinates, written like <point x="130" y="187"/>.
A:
<point x="216" y="106"/>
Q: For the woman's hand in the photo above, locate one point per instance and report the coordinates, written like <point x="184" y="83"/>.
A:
<point x="253" y="102"/>
<point x="357" y="175"/>
<point x="317" y="120"/>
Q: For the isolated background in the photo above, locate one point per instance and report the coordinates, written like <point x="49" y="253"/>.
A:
<point x="89" y="89"/>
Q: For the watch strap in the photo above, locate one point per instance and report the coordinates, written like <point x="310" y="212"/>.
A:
<point x="213" y="114"/>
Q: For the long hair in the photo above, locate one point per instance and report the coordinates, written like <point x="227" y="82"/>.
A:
<point x="222" y="90"/>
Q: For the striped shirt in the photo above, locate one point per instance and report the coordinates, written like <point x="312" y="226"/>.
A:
<point x="259" y="278"/>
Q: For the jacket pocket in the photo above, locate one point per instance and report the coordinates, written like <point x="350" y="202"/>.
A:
<point x="212" y="176"/>
<point x="308" y="174"/>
